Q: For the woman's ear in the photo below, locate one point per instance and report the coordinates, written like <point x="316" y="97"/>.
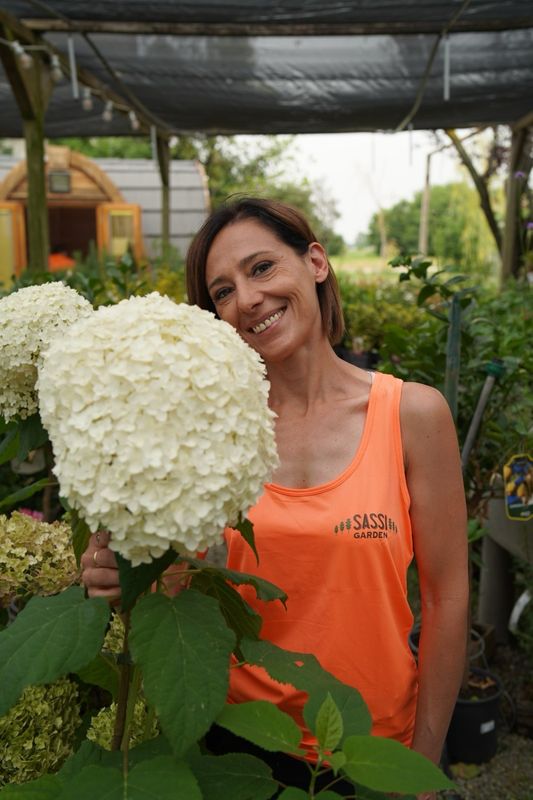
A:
<point x="319" y="261"/>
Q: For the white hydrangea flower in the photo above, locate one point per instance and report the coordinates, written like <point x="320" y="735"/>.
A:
<point x="29" y="320"/>
<point x="158" y="416"/>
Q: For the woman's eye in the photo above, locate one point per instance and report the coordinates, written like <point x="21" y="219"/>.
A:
<point x="221" y="294"/>
<point x="263" y="266"/>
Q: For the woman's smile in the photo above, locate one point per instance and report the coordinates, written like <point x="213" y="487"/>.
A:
<point x="267" y="322"/>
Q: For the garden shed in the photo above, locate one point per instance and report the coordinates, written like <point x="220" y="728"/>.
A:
<point x="113" y="202"/>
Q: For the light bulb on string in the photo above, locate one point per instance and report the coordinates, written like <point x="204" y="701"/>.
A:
<point x="107" y="114"/>
<point x="55" y="68"/>
<point x="134" y="122"/>
<point x="24" y="58"/>
<point x="87" y="101"/>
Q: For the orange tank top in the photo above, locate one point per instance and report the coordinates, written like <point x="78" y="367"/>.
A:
<point x="341" y="552"/>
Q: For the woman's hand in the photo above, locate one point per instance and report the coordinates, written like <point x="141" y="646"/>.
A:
<point x="99" y="568"/>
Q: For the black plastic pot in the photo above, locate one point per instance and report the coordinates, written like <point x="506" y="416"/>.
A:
<point x="473" y="732"/>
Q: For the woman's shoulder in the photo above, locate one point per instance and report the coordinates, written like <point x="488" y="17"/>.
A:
<point x="425" y="417"/>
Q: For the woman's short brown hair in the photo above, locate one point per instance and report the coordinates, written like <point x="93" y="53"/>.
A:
<point x="289" y="226"/>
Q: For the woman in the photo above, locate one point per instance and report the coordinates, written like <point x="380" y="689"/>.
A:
<point x="369" y="475"/>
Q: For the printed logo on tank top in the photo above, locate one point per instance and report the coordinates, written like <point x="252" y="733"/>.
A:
<point x="366" y="525"/>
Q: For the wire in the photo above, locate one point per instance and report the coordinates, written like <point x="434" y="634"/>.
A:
<point x="425" y="77"/>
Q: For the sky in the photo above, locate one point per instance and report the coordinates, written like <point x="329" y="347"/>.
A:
<point x="361" y="171"/>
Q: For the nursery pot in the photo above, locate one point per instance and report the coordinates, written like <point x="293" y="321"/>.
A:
<point x="473" y="732"/>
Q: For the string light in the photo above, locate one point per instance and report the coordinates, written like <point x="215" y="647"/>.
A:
<point x="25" y="59"/>
<point x="87" y="102"/>
<point x="55" y="68"/>
<point x="107" y="114"/>
<point x="134" y="122"/>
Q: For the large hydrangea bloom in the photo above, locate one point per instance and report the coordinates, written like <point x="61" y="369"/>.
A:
<point x="158" y="416"/>
<point x="29" y="320"/>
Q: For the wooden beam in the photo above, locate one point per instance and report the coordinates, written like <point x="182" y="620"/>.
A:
<point x="32" y="89"/>
<point x="163" y="161"/>
<point x="273" y="28"/>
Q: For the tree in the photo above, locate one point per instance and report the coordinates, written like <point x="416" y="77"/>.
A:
<point x="254" y="166"/>
<point x="458" y="233"/>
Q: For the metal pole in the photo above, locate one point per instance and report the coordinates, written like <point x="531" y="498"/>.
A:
<point x="495" y="370"/>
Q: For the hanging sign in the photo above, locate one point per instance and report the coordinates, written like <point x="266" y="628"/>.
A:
<point x="518" y="484"/>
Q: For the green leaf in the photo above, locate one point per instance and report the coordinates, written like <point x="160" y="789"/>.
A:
<point x="182" y="645"/>
<point x="239" y="616"/>
<point x="292" y="793"/>
<point x="246" y="529"/>
<point x="425" y="292"/>
<point x="48" y="787"/>
<point x="329" y="728"/>
<point x="23" y="494"/>
<point x="89" y="753"/>
<point x="31" y="435"/>
<point x="49" y="638"/>
<point x="327" y="794"/>
<point x="264" y="589"/>
<point x="80" y="534"/>
<point x="304" y="672"/>
<point x="136" y="580"/>
<point x="161" y="778"/>
<point x="263" y="724"/>
<point x="336" y="760"/>
<point x="149" y="750"/>
<point x="10" y="444"/>
<point x="103" y="672"/>
<point x="388" y="766"/>
<point x="234" y="776"/>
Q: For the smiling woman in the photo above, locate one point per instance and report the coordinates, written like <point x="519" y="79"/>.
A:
<point x="369" y="475"/>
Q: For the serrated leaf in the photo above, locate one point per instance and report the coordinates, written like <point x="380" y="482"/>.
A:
<point x="246" y="529"/>
<point x="134" y="581"/>
<point x="303" y="671"/>
<point x="234" y="776"/>
<point x="264" y="589"/>
<point x="149" y="750"/>
<point x="23" y="494"/>
<point x="263" y="724"/>
<point x="49" y="638"/>
<point x="239" y="616"/>
<point x="48" y="787"/>
<point x="182" y="645"/>
<point x="388" y="766"/>
<point x="328" y="728"/>
<point x="31" y="435"/>
<point x="101" y="671"/>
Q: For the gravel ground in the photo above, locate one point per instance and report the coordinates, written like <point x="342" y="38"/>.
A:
<point x="509" y="775"/>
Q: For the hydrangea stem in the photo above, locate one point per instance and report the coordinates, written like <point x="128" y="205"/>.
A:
<point x="123" y="689"/>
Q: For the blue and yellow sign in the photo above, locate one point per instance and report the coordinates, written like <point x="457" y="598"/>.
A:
<point x="518" y="482"/>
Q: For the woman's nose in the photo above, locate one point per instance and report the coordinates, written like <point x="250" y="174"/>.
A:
<point x="248" y="296"/>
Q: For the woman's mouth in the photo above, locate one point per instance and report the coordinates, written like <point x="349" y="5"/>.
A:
<point x="266" y="323"/>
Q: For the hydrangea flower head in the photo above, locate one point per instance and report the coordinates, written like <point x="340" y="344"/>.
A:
<point x="160" y="425"/>
<point x="36" y="557"/>
<point x="29" y="320"/>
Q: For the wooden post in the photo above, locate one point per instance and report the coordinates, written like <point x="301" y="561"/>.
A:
<point x="163" y="160"/>
<point x="32" y="88"/>
<point x="511" y="235"/>
<point x="423" y="231"/>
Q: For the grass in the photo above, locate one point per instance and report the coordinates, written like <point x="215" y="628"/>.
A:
<point x="362" y="262"/>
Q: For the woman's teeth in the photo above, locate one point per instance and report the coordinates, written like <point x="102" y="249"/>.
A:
<point x="267" y="322"/>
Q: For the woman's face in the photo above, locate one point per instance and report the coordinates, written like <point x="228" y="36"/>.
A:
<point x="264" y="289"/>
